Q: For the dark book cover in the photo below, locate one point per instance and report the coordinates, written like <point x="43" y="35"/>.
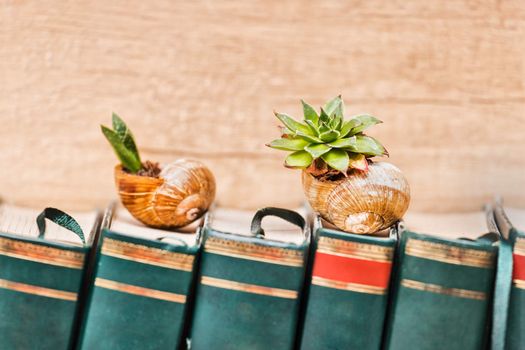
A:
<point x="249" y="290"/>
<point x="42" y="280"/>
<point x="141" y="287"/>
<point x="442" y="293"/>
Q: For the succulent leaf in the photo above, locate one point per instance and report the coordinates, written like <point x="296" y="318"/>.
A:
<point x="342" y="143"/>
<point x="337" y="159"/>
<point x="128" y="158"/>
<point x="317" y="150"/>
<point x="298" y="160"/>
<point x="310" y="113"/>
<point x="366" y="121"/>
<point x="293" y="125"/>
<point x="368" y="146"/>
<point x="329" y="136"/>
<point x="313" y="126"/>
<point x="289" y="144"/>
<point x="324" y="117"/>
<point x="335" y="106"/>
<point x="348" y="125"/>
<point x="323" y="127"/>
<point x="336" y="123"/>
<point x="309" y="138"/>
<point x="124" y="133"/>
<point x="358" y="161"/>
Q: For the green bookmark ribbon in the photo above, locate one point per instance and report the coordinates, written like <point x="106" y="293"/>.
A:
<point x="60" y="218"/>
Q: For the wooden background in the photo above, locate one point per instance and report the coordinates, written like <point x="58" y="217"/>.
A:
<point x="200" y="79"/>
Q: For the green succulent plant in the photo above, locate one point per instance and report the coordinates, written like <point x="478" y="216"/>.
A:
<point x="327" y="141"/>
<point x="123" y="143"/>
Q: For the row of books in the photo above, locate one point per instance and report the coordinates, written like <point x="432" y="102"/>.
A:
<point x="282" y="281"/>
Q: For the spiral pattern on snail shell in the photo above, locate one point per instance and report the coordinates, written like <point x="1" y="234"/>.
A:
<point x="181" y="194"/>
<point x="361" y="203"/>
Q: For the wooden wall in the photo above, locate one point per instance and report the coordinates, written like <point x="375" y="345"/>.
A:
<point x="200" y="79"/>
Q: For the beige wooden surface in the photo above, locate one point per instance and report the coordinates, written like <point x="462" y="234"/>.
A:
<point x="201" y="78"/>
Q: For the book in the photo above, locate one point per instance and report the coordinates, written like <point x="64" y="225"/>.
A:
<point x="514" y="285"/>
<point x="251" y="281"/>
<point x="141" y="287"/>
<point x="43" y="275"/>
<point x="348" y="292"/>
<point x="443" y="286"/>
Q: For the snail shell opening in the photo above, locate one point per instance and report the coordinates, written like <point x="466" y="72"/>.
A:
<point x="363" y="223"/>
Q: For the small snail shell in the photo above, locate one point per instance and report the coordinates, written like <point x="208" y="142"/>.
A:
<point x="182" y="193"/>
<point x="362" y="202"/>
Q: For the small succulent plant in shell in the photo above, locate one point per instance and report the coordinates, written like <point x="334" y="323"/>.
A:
<point x="340" y="180"/>
<point x="327" y="144"/>
<point x="169" y="196"/>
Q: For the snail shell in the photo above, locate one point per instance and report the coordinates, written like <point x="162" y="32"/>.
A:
<point x="362" y="202"/>
<point x="182" y="193"/>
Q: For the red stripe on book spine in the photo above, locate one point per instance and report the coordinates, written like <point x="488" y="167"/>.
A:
<point x="351" y="270"/>
<point x="519" y="267"/>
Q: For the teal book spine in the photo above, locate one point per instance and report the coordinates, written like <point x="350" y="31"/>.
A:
<point x="139" y="294"/>
<point x="248" y="293"/>
<point x="41" y="285"/>
<point x="442" y="293"/>
<point x="348" y="292"/>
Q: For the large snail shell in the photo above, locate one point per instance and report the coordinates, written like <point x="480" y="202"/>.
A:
<point x="362" y="202"/>
<point x="182" y="193"/>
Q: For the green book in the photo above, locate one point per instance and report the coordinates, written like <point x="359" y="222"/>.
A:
<point x="514" y="327"/>
<point x="348" y="292"/>
<point x="141" y="286"/>
<point x="251" y="281"/>
<point x="443" y="287"/>
<point x="43" y="274"/>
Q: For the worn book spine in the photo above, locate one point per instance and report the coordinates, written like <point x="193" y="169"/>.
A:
<point x="348" y="293"/>
<point x="248" y="293"/>
<point x="40" y="287"/>
<point x="515" y="338"/>
<point x="139" y="294"/>
<point x="442" y="293"/>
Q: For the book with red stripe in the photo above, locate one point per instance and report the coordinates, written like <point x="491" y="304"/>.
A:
<point x="516" y="324"/>
<point x="348" y="293"/>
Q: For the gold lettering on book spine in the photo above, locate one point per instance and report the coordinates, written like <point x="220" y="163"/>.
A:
<point x="519" y="283"/>
<point x="37" y="290"/>
<point x="519" y="246"/>
<point x="348" y="286"/>
<point x="449" y="254"/>
<point x="434" y="288"/>
<point x="41" y="253"/>
<point x="355" y="250"/>
<point x="140" y="291"/>
<point x="249" y="288"/>
<point x="252" y="251"/>
<point x="147" y="255"/>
